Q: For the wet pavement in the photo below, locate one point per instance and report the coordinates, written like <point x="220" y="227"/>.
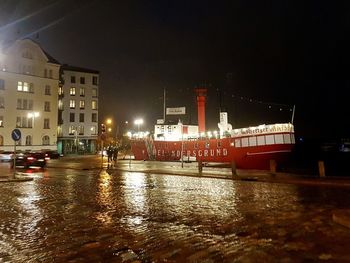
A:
<point x="75" y="212"/>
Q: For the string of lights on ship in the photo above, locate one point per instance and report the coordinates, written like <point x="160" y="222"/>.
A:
<point x="270" y="105"/>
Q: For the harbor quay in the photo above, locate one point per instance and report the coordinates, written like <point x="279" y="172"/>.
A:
<point x="84" y="209"/>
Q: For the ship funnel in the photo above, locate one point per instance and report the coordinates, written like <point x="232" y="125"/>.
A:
<point x="201" y="99"/>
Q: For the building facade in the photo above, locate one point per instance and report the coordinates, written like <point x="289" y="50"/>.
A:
<point x="78" y="110"/>
<point x="29" y="83"/>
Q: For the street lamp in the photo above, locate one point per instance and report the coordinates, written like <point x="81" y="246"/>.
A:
<point x="138" y="122"/>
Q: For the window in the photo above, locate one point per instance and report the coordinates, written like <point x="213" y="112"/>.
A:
<point x="261" y="140"/>
<point x="71" y="130"/>
<point x="46" y="123"/>
<point x="50" y="74"/>
<point x="245" y="142"/>
<point x="94" y="105"/>
<point x="24" y="104"/>
<point x="81" y="117"/>
<point x="25" y="86"/>
<point x="252" y="141"/>
<point x="1" y="121"/>
<point x="72" y="91"/>
<point x="82" y="104"/>
<point x="46" y="140"/>
<point x="72" y="104"/>
<point x="269" y="139"/>
<point x="18" y="122"/>
<point x="1" y="140"/>
<point x="28" y="140"/>
<point x="24" y="122"/>
<point x="94" y="92"/>
<point x="47" y="90"/>
<point x="279" y="138"/>
<point x="94" y="80"/>
<point x="72" y="79"/>
<point x="94" y="117"/>
<point x="19" y="103"/>
<point x="71" y="117"/>
<point x="47" y="106"/>
<point x="82" y="80"/>
<point x="30" y="122"/>
<point x="238" y="143"/>
<point x="30" y="104"/>
<point x="2" y="102"/>
<point x="93" y="130"/>
<point x="2" y="84"/>
<point x="82" y="92"/>
<point x="286" y="138"/>
<point x="60" y="105"/>
<point x="60" y="91"/>
<point x="81" y="130"/>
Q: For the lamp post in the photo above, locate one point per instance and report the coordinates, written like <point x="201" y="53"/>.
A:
<point x="76" y="139"/>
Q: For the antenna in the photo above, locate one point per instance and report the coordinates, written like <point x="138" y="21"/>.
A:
<point x="293" y="114"/>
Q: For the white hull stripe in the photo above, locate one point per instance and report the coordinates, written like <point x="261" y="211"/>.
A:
<point x="282" y="151"/>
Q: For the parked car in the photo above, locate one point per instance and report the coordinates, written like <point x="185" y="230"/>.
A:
<point x="6" y="156"/>
<point x="28" y="159"/>
<point x="49" y="154"/>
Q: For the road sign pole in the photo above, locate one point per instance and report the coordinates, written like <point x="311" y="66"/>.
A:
<point x="14" y="160"/>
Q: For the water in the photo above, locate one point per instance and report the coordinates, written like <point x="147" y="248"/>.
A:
<point x="83" y="216"/>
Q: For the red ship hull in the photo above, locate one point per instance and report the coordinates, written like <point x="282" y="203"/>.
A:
<point x="254" y="155"/>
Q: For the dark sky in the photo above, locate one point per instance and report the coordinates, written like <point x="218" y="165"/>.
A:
<point x="285" y="52"/>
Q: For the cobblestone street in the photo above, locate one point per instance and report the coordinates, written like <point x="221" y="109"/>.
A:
<point x="89" y="215"/>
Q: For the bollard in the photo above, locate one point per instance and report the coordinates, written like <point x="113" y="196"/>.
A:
<point x="200" y="167"/>
<point x="273" y="167"/>
<point x="233" y="169"/>
<point x="321" y="169"/>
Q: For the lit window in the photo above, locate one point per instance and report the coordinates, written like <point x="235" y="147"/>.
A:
<point x="72" y="91"/>
<point x="71" y="130"/>
<point x="60" y="91"/>
<point x="93" y="130"/>
<point x="94" y="105"/>
<point x="20" y="86"/>
<point x="1" y="121"/>
<point x="82" y="104"/>
<point x="261" y="140"/>
<point x="60" y="105"/>
<point x="252" y="141"/>
<point x="81" y="130"/>
<point x="245" y="142"/>
<point x="72" y="104"/>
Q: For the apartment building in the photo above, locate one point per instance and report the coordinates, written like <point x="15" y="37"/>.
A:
<point x="29" y="83"/>
<point x="78" y="110"/>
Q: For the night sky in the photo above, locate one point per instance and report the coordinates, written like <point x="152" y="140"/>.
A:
<point x="259" y="57"/>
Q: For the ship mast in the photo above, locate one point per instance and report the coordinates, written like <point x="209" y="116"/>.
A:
<point x="164" y="107"/>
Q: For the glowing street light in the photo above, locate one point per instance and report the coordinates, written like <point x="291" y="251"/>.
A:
<point x="138" y="122"/>
<point x="109" y="121"/>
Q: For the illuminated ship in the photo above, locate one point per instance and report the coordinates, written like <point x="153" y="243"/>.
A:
<point x="249" y="148"/>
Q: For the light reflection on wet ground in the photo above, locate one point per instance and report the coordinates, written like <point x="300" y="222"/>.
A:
<point x="84" y="216"/>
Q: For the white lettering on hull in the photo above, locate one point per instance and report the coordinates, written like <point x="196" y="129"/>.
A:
<point x="200" y="153"/>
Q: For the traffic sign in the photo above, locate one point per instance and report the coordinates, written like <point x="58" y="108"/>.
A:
<point x="16" y="134"/>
